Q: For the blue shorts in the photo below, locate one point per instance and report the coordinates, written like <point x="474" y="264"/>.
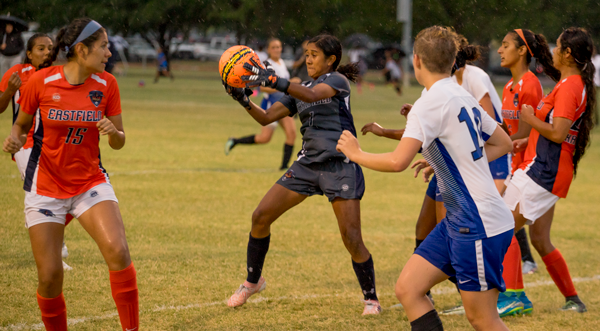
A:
<point x="474" y="265"/>
<point x="433" y="191"/>
<point x="500" y="167"/>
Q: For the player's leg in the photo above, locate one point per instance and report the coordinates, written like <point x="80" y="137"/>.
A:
<point x="426" y="221"/>
<point x="480" y="308"/>
<point x="46" y="242"/>
<point x="276" y="202"/>
<point x="554" y="261"/>
<point x="347" y="213"/>
<point x="289" y="127"/>
<point x="265" y="135"/>
<point x="100" y="216"/>
<point x="529" y="265"/>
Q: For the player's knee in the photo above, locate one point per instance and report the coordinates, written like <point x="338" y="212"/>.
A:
<point x="352" y="240"/>
<point x="539" y="241"/>
<point x="50" y="279"/>
<point x="260" y="218"/>
<point x="402" y="291"/>
<point x="117" y="256"/>
<point x="479" y="322"/>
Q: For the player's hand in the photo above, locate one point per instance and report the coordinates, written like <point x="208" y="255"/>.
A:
<point x="422" y="165"/>
<point x="527" y="113"/>
<point x="348" y="144"/>
<point x="14" y="82"/>
<point x="239" y="94"/>
<point x="106" y="127"/>
<point x="520" y="145"/>
<point x="264" y="77"/>
<point x="375" y="128"/>
<point x="405" y="109"/>
<point x="12" y="144"/>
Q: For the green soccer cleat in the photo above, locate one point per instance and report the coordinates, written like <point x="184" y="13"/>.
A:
<point x="527" y="305"/>
<point x="574" y="306"/>
<point x="229" y="145"/>
<point x="509" y="304"/>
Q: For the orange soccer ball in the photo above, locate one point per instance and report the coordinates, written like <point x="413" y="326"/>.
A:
<point x="231" y="65"/>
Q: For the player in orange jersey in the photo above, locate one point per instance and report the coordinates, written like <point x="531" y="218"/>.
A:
<point x="518" y="48"/>
<point x="14" y="80"/>
<point x="74" y="105"/>
<point x="560" y="134"/>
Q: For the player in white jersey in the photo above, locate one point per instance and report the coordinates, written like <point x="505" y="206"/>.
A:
<point x="271" y="96"/>
<point x="457" y="138"/>
<point x="478" y="83"/>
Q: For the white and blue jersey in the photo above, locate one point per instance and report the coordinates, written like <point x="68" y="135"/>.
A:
<point x="281" y="71"/>
<point x="478" y="83"/>
<point x="470" y="243"/>
<point x="453" y="129"/>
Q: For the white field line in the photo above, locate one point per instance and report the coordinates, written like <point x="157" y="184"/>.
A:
<point x="439" y="291"/>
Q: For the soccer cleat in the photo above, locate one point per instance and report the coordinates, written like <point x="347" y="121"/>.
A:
<point x="509" y="304"/>
<point x="458" y="310"/>
<point x="529" y="267"/>
<point x="527" y="305"/>
<point x="574" y="306"/>
<point x="242" y="294"/>
<point x="66" y="267"/>
<point x="64" y="251"/>
<point x="372" y="307"/>
<point x="229" y="145"/>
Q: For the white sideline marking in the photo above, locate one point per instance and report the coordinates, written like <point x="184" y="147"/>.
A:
<point x="441" y="291"/>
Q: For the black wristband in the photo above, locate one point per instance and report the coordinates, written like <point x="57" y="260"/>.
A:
<point x="282" y="85"/>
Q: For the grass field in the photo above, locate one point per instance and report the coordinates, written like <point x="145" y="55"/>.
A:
<point x="187" y="209"/>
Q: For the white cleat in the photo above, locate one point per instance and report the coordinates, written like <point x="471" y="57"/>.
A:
<point x="529" y="267"/>
<point x="64" y="251"/>
<point x="372" y="307"/>
<point x="66" y="267"/>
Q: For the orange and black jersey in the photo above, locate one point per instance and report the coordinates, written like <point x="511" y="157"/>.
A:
<point x="550" y="164"/>
<point x="65" y="159"/>
<point x="528" y="91"/>
<point x="25" y="71"/>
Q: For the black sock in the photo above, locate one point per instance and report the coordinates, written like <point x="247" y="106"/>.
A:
<point x="287" y="154"/>
<point x="365" y="272"/>
<point x="244" y="140"/>
<point x="257" y="250"/>
<point x="524" y="245"/>
<point x="574" y="298"/>
<point x="428" y="322"/>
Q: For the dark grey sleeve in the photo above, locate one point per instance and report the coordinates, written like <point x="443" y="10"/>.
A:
<point x="339" y="83"/>
<point x="289" y="102"/>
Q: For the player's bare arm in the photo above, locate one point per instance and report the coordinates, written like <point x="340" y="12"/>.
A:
<point x="14" y="82"/>
<point x="497" y="145"/>
<point x="18" y="134"/>
<point x="556" y="131"/>
<point x="396" y="161"/>
<point x="523" y="131"/>
<point x="112" y="126"/>
<point x="380" y="131"/>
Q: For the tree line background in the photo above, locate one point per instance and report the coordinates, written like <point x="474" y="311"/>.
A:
<point x="292" y="20"/>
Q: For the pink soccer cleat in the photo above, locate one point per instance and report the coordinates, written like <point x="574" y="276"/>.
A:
<point x="372" y="307"/>
<point x="242" y="294"/>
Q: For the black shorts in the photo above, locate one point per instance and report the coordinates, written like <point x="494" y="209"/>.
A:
<point x="334" y="178"/>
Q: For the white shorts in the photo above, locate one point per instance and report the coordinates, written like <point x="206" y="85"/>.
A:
<point x="272" y="125"/>
<point x="533" y="200"/>
<point x="22" y="159"/>
<point x="42" y="209"/>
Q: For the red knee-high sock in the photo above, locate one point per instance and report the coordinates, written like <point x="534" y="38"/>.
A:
<point x="54" y="312"/>
<point x="558" y="270"/>
<point x="512" y="274"/>
<point x="124" y="290"/>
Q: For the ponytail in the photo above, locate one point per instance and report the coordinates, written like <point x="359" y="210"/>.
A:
<point x="581" y="45"/>
<point x="466" y="53"/>
<point x="58" y="45"/>
<point x="538" y="45"/>
<point x="350" y="70"/>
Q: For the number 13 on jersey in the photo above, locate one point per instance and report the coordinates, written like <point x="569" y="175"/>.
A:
<point x="474" y="130"/>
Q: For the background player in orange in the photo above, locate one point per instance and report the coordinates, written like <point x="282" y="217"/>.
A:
<point x="74" y="105"/>
<point x="516" y="52"/>
<point x="560" y="134"/>
<point x="38" y="48"/>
